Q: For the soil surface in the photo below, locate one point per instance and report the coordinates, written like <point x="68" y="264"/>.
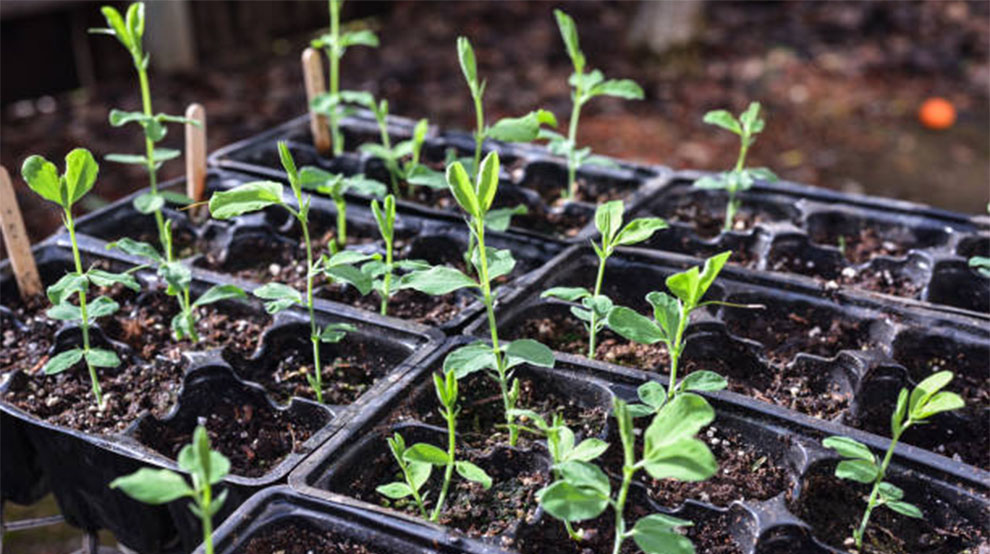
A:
<point x="27" y="335"/>
<point x="862" y="247"/>
<point x="254" y="437"/>
<point x="708" y="223"/>
<point x="826" y="504"/>
<point x="882" y="281"/>
<point x="289" y="537"/>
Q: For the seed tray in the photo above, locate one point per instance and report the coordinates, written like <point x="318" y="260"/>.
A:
<point x="530" y="175"/>
<point x="214" y="383"/>
<point x="840" y="240"/>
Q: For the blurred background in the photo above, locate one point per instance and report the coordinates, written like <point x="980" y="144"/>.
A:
<point x="842" y="84"/>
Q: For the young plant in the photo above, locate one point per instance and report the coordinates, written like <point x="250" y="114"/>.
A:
<point x="860" y="464"/>
<point x="258" y="195"/>
<point x="595" y="305"/>
<point x="416" y="461"/>
<point x="510" y="129"/>
<point x="65" y="190"/>
<point x="740" y="178"/>
<point x="582" y="490"/>
<point x="207" y="467"/>
<point x="335" y="44"/>
<point x="336" y="186"/>
<point x="671" y="314"/>
<point x="499" y="358"/>
<point x="586" y="86"/>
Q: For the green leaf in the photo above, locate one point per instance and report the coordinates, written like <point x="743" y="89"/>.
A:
<point x="217" y="293"/>
<point x="460" y="185"/>
<point x="849" y="448"/>
<point x="889" y="491"/>
<point x="149" y="203"/>
<point x="64" y="312"/>
<point x="177" y="275"/>
<point x="101" y="307"/>
<point x="133" y="159"/>
<point x="703" y="380"/>
<point x="521" y="129"/>
<point x="585" y="475"/>
<point x="500" y="219"/>
<point x="487" y="182"/>
<point x="711" y="182"/>
<point x="633" y="326"/>
<point x="80" y="173"/>
<point x="63" y="361"/>
<point x="473" y="473"/>
<point x="117" y="26"/>
<point x="655" y="534"/>
<point x="359" y="184"/>
<point x="941" y="402"/>
<point x="639" y="230"/>
<point x="351" y="275"/>
<point x="98" y="357"/>
<point x="500" y="262"/>
<point x="120" y="117"/>
<point x="588" y="450"/>
<point x="395" y="491"/>
<point x="423" y="176"/>
<point x="316" y="179"/>
<point x="529" y="351"/>
<point x="608" y="219"/>
<point x="666" y="312"/>
<point x="437" y="280"/>
<point x="42" y="176"/>
<point x="685" y="460"/>
<point x="363" y="37"/>
<point x="153" y="486"/>
<point x="723" y="119"/>
<point x="102" y="278"/>
<point x="64" y="288"/>
<point x="333" y="332"/>
<point x="569" y="294"/>
<point x="566" y="502"/>
<point x="426" y="453"/>
<point x="712" y="268"/>
<point x="568" y="31"/>
<point x="139" y="249"/>
<point x="278" y="291"/>
<point x="679" y="419"/>
<point x="621" y="88"/>
<point x="465" y="55"/>
<point x="419" y="473"/>
<point x="285" y="156"/>
<point x="906" y="508"/>
<point x="468" y="359"/>
<point x="925" y="390"/>
<point x="857" y="470"/>
<point x="897" y="417"/>
<point x="652" y="394"/>
<point x="249" y="197"/>
<point x="750" y="118"/>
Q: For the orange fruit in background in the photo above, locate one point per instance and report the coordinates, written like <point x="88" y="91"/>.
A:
<point x="937" y="113"/>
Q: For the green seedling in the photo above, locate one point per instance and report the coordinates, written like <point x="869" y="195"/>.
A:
<point x="740" y="178"/>
<point x="510" y="129"/>
<point x="981" y="263"/>
<point x="336" y="186"/>
<point x="336" y="44"/>
<point x="596" y="306"/>
<point x="671" y="314"/>
<point x="586" y="85"/>
<point x="860" y="464"/>
<point x="258" y="195"/>
<point x="499" y="358"/>
<point x="65" y="190"/>
<point x="417" y="461"/>
<point x="207" y="467"/>
<point x="582" y="491"/>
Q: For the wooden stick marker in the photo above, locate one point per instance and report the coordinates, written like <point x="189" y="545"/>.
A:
<point x="312" y="64"/>
<point x="196" y="153"/>
<point x="16" y="241"/>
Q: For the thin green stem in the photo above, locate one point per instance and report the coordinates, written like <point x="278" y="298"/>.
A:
<point x="341" y="220"/>
<point x="593" y="328"/>
<point x="334" y="53"/>
<point x="871" y="503"/>
<point x="479" y="131"/>
<point x="412" y="487"/>
<point x="571" y="189"/>
<point x="84" y="326"/>
<point x="449" y="471"/>
<point x="387" y="279"/>
<point x="149" y="147"/>
<point x="207" y="519"/>
<point x="314" y="337"/>
<point x="390" y="164"/>
<point x="676" y="347"/>
<point x="628" y="470"/>
<point x="733" y="205"/>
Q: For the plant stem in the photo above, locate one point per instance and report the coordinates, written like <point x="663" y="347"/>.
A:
<point x="314" y="338"/>
<point x="341" y="220"/>
<point x="207" y="519"/>
<point x="334" y="55"/>
<point x="449" y="471"/>
<point x="592" y="329"/>
<point x="415" y="493"/>
<point x="571" y="189"/>
<point x="628" y="470"/>
<point x="676" y="347"/>
<point x="93" y="378"/>
<point x="387" y="279"/>
<point x="871" y="503"/>
<point x="733" y="205"/>
<point x="149" y="147"/>
<point x="479" y="132"/>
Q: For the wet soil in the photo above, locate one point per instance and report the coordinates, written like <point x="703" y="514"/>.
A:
<point x="290" y="537"/>
<point x="863" y="247"/>
<point x="708" y="223"/>
<point x="882" y="281"/>
<point x="27" y="336"/>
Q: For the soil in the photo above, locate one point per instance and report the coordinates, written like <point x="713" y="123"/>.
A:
<point x="567" y="334"/>
<point x="405" y="304"/>
<point x="254" y="437"/>
<point x="482" y="412"/>
<point x="862" y="247"/>
<point x="744" y="473"/>
<point x="882" y="281"/>
<point x="290" y="537"/>
<point x="826" y="503"/>
<point x="129" y="391"/>
<point x="27" y="335"/>
<point x="708" y="223"/>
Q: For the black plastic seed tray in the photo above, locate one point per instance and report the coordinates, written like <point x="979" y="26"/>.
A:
<point x="840" y="355"/>
<point x="841" y="240"/>
<point x="267" y="246"/>
<point x="226" y="381"/>
<point x="772" y="514"/>
<point x="530" y="175"/>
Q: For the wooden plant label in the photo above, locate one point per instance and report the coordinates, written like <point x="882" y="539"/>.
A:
<point x="312" y="65"/>
<point x="16" y="241"/>
<point x="196" y="153"/>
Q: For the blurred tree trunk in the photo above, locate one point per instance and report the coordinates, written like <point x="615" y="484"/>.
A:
<point x="660" y="25"/>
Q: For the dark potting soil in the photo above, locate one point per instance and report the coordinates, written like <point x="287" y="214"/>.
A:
<point x="27" y="335"/>
<point x="882" y="281"/>
<point x="708" y="223"/>
<point x="184" y="242"/>
<point x="405" y="304"/>
<point x="345" y="377"/>
<point x="834" y="507"/>
<point x="129" y="391"/>
<point x="744" y="472"/>
<point x="290" y="537"/>
<point x="567" y="334"/>
<point x="254" y="437"/>
<point x="482" y="413"/>
<point x="862" y="247"/>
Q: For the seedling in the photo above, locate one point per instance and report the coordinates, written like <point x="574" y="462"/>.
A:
<point x="65" y="190"/>
<point x="860" y="464"/>
<point x="981" y="264"/>
<point x="586" y="86"/>
<point x="336" y="186"/>
<point x="336" y="43"/>
<point x="207" y="467"/>
<point x="418" y="460"/>
<point x="499" y="358"/>
<point x="670" y="451"/>
<point x="510" y="129"/>
<point x="258" y="195"/>
<point x="740" y="178"/>
<point x="671" y="315"/>
<point x="596" y="306"/>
